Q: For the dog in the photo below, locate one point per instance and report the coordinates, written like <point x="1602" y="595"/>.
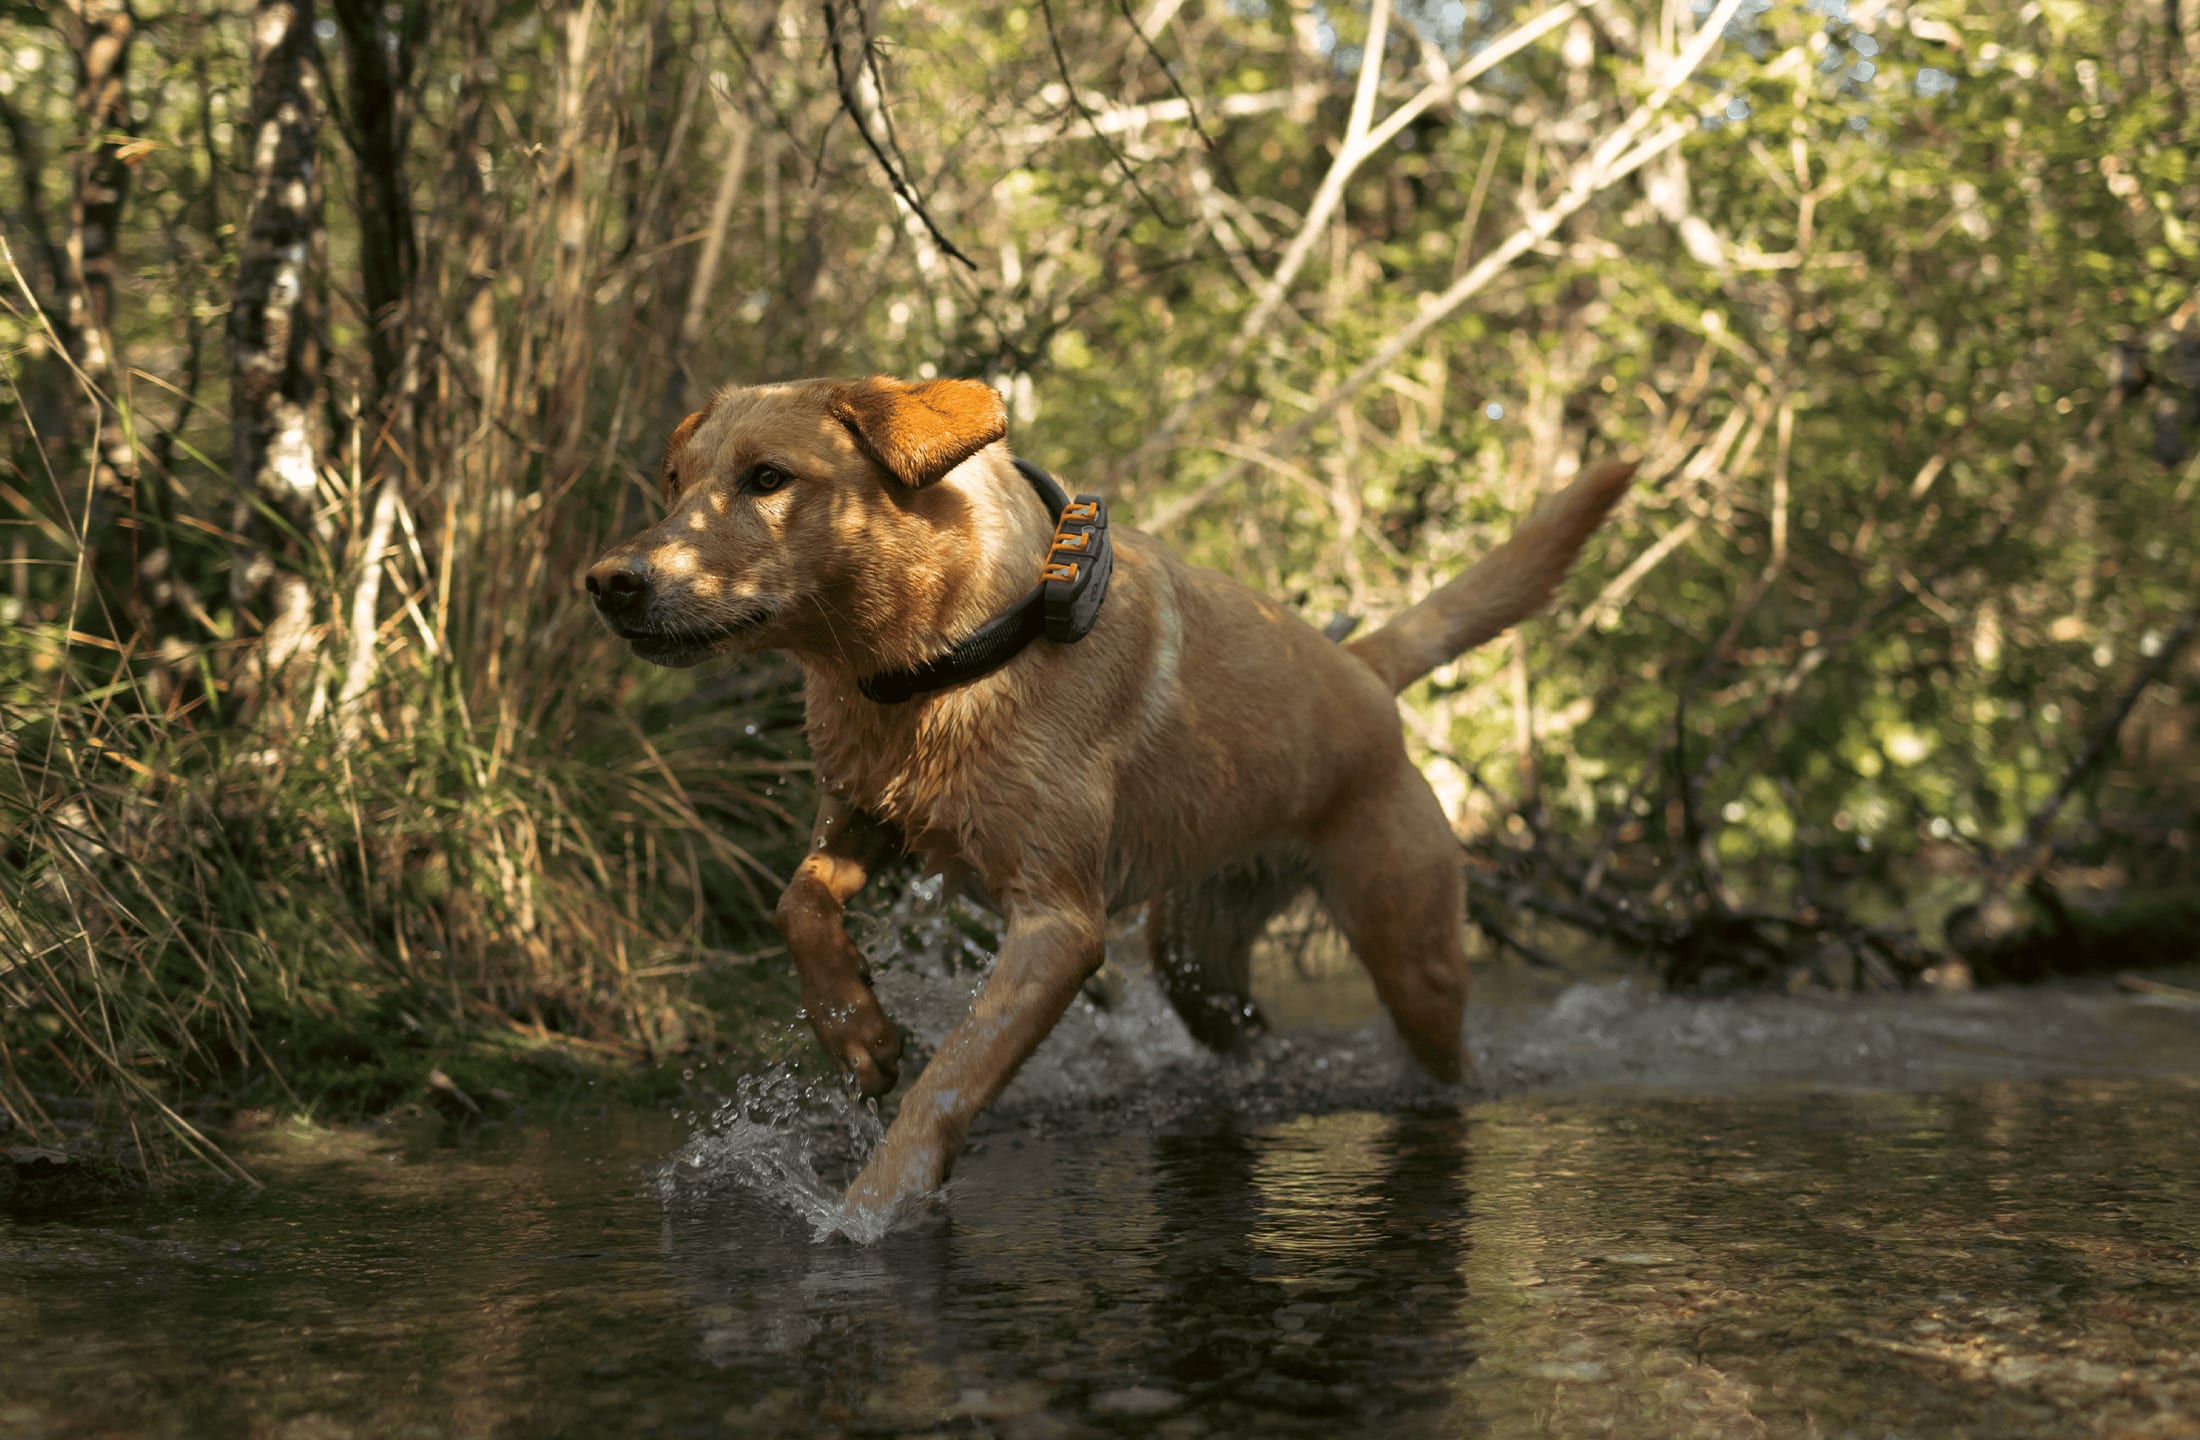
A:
<point x="1001" y="683"/>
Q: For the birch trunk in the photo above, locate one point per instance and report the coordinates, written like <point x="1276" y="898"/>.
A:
<point x="101" y="176"/>
<point x="275" y="341"/>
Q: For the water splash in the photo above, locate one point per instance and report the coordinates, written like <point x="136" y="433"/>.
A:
<point x="1120" y="1051"/>
<point x="1120" y="1059"/>
<point x="771" y="1138"/>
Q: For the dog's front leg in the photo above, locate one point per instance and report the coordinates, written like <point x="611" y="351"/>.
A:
<point x="836" y="988"/>
<point x="1052" y="944"/>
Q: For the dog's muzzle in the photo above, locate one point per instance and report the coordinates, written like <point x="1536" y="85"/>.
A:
<point x="626" y="596"/>
<point x="621" y="587"/>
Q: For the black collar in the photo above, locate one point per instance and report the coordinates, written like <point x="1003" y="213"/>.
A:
<point x="1073" y="580"/>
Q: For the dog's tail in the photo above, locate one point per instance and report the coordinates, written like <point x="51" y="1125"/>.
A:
<point x="1501" y="589"/>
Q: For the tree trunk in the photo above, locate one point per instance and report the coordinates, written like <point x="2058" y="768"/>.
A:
<point x="44" y="389"/>
<point x="104" y="30"/>
<point x="564" y="402"/>
<point x="275" y="341"/>
<point x="379" y="62"/>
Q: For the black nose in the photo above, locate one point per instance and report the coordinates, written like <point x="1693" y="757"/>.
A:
<point x="619" y="584"/>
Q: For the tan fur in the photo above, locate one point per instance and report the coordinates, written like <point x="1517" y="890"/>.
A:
<point x="667" y="479"/>
<point x="1501" y="589"/>
<point x="920" y="432"/>
<point x="1198" y="724"/>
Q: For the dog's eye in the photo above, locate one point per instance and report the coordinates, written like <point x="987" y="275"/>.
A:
<point x="766" y="478"/>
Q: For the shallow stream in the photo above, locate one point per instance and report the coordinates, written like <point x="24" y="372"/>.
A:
<point x="1968" y="1216"/>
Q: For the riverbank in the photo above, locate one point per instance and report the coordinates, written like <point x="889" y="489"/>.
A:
<point x="483" y="886"/>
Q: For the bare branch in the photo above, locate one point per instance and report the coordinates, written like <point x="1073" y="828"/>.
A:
<point x="1361" y="142"/>
<point x="1108" y="119"/>
<point x="2097" y="748"/>
<point x="855" y="115"/>
<point x="1122" y="163"/>
<point x="730" y="173"/>
<point x="1222" y="166"/>
<point x="1591" y="177"/>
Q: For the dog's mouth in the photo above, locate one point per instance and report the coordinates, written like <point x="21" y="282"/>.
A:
<point x="678" y="646"/>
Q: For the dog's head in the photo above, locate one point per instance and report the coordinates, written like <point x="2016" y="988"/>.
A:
<point x="820" y="517"/>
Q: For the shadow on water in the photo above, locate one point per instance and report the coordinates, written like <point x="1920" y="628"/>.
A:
<point x="1986" y="1254"/>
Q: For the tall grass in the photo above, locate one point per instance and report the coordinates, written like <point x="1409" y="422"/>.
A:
<point x="461" y="834"/>
<point x="496" y="846"/>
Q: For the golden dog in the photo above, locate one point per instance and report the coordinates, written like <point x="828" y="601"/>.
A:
<point x="1200" y="749"/>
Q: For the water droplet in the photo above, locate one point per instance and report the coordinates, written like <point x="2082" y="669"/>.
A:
<point x="1494" y="410"/>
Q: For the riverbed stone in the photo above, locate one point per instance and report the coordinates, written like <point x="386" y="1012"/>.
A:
<point x="999" y="1402"/>
<point x="1136" y="1401"/>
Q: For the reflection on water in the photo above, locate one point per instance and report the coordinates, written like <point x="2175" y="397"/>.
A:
<point x="2007" y="1258"/>
<point x="1995" y="1261"/>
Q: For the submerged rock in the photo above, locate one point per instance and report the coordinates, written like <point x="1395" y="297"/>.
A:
<point x="1136" y="1401"/>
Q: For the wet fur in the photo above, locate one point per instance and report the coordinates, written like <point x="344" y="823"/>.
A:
<point x="1198" y="731"/>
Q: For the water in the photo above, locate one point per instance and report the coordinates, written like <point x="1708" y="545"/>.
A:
<point x="1976" y="1216"/>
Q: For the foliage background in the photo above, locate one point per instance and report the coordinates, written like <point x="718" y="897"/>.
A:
<point x="309" y="795"/>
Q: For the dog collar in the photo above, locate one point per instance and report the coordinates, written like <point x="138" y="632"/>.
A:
<point x="1073" y="580"/>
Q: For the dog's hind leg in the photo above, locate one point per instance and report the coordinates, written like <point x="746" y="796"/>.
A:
<point x="836" y="987"/>
<point x="1388" y="867"/>
<point x="1201" y="939"/>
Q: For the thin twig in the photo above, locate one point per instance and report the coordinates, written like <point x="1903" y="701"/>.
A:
<point x="1122" y="162"/>
<point x="2097" y="748"/>
<point x="1191" y="111"/>
<point x="855" y="115"/>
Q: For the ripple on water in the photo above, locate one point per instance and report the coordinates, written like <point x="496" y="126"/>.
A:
<point x="1290" y="1248"/>
<point x="793" y="1140"/>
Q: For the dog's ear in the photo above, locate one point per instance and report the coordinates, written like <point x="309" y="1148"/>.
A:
<point x="918" y="433"/>
<point x="668" y="475"/>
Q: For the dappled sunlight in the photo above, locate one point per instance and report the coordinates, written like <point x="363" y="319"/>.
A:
<point x="1881" y="677"/>
<point x="433" y="605"/>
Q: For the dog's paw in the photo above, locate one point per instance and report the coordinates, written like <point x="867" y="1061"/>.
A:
<point x="904" y="1175"/>
<point x="874" y="1062"/>
<point x="862" y="1042"/>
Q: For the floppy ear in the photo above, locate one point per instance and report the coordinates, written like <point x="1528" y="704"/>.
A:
<point x="681" y="434"/>
<point x="920" y="432"/>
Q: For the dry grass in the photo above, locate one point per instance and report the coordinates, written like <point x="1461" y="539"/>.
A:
<point x="268" y="894"/>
